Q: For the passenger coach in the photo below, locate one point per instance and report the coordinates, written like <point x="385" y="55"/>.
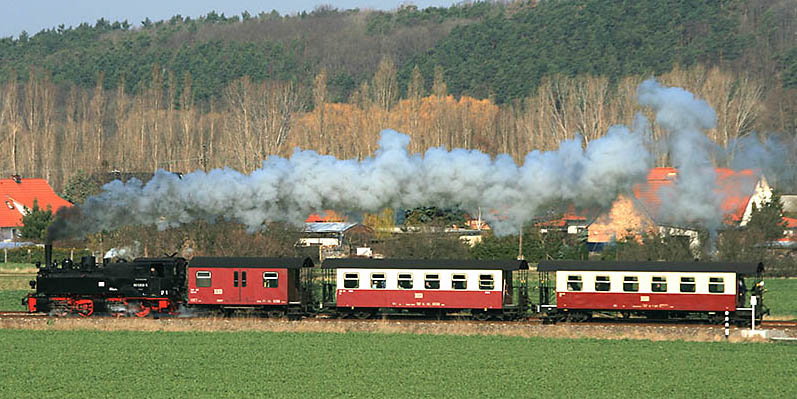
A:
<point x="650" y="289"/>
<point x="274" y="286"/>
<point x="483" y="289"/>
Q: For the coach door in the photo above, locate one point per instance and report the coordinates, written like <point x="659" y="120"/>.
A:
<point x="509" y="291"/>
<point x="240" y="281"/>
<point x="293" y="285"/>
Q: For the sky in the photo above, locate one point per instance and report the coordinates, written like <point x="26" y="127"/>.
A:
<point x="34" y="15"/>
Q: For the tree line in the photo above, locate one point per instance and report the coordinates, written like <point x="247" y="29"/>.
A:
<point x="100" y="130"/>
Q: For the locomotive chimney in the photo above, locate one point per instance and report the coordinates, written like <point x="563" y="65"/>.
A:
<point x="48" y="254"/>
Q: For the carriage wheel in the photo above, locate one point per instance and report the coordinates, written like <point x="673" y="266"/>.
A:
<point x="363" y="314"/>
<point x="275" y="314"/>
<point x="578" y="316"/>
<point x="481" y="315"/>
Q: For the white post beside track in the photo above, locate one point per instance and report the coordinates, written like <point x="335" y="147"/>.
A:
<point x="727" y="325"/>
<point x="753" y="302"/>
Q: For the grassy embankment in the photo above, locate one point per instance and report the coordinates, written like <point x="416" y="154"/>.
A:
<point x="127" y="363"/>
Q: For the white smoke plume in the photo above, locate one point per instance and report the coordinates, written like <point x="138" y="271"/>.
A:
<point x="128" y="252"/>
<point x="694" y="198"/>
<point x="288" y="189"/>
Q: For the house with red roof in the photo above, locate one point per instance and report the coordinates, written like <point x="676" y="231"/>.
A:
<point x="632" y="216"/>
<point x="18" y="195"/>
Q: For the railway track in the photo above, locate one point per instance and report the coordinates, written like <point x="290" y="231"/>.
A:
<point x="20" y="315"/>
<point x="779" y="324"/>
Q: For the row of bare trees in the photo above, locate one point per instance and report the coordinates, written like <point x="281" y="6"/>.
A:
<point x="53" y="132"/>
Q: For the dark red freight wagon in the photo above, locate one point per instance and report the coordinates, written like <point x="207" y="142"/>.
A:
<point x="273" y="286"/>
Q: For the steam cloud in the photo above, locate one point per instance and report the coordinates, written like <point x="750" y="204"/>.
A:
<point x="288" y="189"/>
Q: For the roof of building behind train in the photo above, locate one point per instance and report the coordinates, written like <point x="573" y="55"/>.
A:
<point x="20" y="192"/>
<point x="469" y="264"/>
<point x="273" y="263"/>
<point x="649" y="266"/>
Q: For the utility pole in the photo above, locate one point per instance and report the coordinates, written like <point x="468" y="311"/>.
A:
<point x="520" y="244"/>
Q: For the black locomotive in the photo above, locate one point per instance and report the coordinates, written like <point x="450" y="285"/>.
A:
<point x="138" y="287"/>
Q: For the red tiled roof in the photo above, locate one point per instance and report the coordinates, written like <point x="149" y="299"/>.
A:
<point x="325" y="216"/>
<point x="791" y="223"/>
<point x="736" y="186"/>
<point x="570" y="216"/>
<point x="17" y="195"/>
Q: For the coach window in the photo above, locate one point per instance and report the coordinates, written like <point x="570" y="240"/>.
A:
<point x="405" y="281"/>
<point x="687" y="284"/>
<point x="378" y="280"/>
<point x="351" y="280"/>
<point x="631" y="283"/>
<point x="602" y="283"/>
<point x="574" y="283"/>
<point x="203" y="279"/>
<point x="431" y="282"/>
<point x="658" y="284"/>
<point x="459" y="281"/>
<point x="486" y="282"/>
<point x="271" y="280"/>
<point x="716" y="285"/>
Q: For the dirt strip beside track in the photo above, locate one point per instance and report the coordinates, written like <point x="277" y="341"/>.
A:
<point x="653" y="333"/>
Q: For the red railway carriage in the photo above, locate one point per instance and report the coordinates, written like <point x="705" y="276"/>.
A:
<point x="275" y="286"/>
<point x="364" y="287"/>
<point x="651" y="289"/>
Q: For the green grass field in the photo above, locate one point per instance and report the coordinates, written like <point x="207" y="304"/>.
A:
<point x="6" y="267"/>
<point x="244" y="364"/>
<point x="781" y="296"/>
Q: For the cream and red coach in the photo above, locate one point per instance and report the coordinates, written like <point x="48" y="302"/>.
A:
<point x="651" y="289"/>
<point x="365" y="287"/>
<point x="274" y="286"/>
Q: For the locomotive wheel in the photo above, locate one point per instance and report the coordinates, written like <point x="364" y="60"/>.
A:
<point x="138" y="309"/>
<point x="84" y="308"/>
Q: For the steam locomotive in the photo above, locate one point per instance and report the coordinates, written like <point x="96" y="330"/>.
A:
<point x="364" y="288"/>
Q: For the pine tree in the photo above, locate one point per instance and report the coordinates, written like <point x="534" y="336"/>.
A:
<point x="35" y="222"/>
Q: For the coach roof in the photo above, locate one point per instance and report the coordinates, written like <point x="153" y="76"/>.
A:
<point x="368" y="263"/>
<point x="621" y="266"/>
<point x="273" y="263"/>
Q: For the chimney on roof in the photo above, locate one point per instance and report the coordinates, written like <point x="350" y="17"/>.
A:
<point x="17" y="179"/>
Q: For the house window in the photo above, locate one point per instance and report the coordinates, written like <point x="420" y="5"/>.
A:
<point x="687" y="284"/>
<point x="602" y="283"/>
<point x="351" y="280"/>
<point x="271" y="280"/>
<point x="486" y="282"/>
<point x="459" y="281"/>
<point x="431" y="282"/>
<point x="631" y="283"/>
<point x="378" y="280"/>
<point x="659" y="284"/>
<point x="716" y="285"/>
<point x="574" y="283"/>
<point x="203" y="279"/>
<point x="405" y="281"/>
